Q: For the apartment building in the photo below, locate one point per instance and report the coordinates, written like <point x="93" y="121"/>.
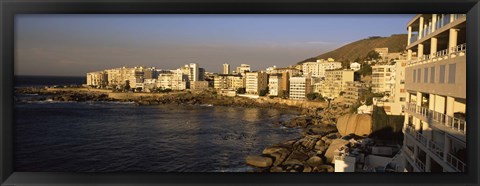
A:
<point x="255" y="82"/>
<point x="335" y="82"/>
<point x="300" y="87"/>
<point x="395" y="103"/>
<point x="318" y="68"/>
<point x="383" y="80"/>
<point x="230" y="82"/>
<point x="192" y="71"/>
<point x="274" y="84"/>
<point x="242" y="69"/>
<point x="97" y="79"/>
<point x="175" y="80"/>
<point x="435" y="82"/>
<point x="226" y="68"/>
<point x="353" y="91"/>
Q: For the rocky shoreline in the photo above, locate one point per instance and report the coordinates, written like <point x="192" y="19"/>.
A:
<point x="311" y="153"/>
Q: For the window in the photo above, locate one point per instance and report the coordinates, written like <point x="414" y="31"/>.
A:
<point x="432" y="74"/>
<point x="414" y="75"/>
<point x="451" y="73"/>
<point x="419" y="75"/>
<point x="402" y="99"/>
<point x="425" y="75"/>
<point x="442" y="74"/>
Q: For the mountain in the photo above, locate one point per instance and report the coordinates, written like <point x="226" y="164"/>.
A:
<point x="360" y="48"/>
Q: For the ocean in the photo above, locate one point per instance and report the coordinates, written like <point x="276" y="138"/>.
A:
<point x="55" y="136"/>
<point x="42" y="81"/>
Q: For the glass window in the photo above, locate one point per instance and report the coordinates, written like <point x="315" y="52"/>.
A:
<point x="451" y="73"/>
<point x="414" y="75"/>
<point x="419" y="75"/>
<point x="425" y="75"/>
<point x="442" y="74"/>
<point x="432" y="74"/>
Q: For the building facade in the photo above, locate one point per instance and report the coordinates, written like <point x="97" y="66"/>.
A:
<point x="352" y="92"/>
<point x="226" y="68"/>
<point x="255" y="82"/>
<point x="435" y="82"/>
<point x="300" y="87"/>
<point x="336" y="82"/>
<point x="274" y="84"/>
<point x="383" y="80"/>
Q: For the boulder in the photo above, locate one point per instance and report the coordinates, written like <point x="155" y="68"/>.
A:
<point x="336" y="144"/>
<point x="279" y="156"/>
<point x="321" y="130"/>
<point x="276" y="169"/>
<point x="259" y="161"/>
<point x="298" y="156"/>
<point x="270" y="150"/>
<point x="358" y="124"/>
<point x="314" y="161"/>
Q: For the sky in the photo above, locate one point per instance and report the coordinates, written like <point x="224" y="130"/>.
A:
<point x="72" y="45"/>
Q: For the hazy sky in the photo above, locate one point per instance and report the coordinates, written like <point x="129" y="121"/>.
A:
<point x="75" y="44"/>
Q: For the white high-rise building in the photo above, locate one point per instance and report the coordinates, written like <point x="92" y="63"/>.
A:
<point x="226" y="68"/>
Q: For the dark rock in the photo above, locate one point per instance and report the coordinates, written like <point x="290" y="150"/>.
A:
<point x="259" y="161"/>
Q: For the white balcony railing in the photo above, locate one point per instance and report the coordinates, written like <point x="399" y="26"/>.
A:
<point x="456" y="124"/>
<point x="456" y="163"/>
<point x="433" y="147"/>
<point x="439" y="55"/>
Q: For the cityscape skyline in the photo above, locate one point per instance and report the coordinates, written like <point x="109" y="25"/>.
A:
<point x="72" y="45"/>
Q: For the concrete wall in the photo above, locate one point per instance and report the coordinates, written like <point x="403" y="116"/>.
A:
<point x="457" y="89"/>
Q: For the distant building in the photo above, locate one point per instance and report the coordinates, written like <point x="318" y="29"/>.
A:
<point x="355" y="66"/>
<point x="394" y="103"/>
<point x="300" y="87"/>
<point x="97" y="79"/>
<point x="192" y="71"/>
<point x="226" y="68"/>
<point x="175" y="80"/>
<point x="199" y="85"/>
<point x="336" y="82"/>
<point x="255" y="82"/>
<point x="383" y="80"/>
<point x="274" y="84"/>
<point x="318" y="68"/>
<point x="243" y="68"/>
<point x="353" y="91"/>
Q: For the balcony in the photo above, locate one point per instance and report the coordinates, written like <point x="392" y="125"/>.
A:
<point x="453" y="123"/>
<point x="440" y="55"/>
<point x="441" y="22"/>
<point x="434" y="148"/>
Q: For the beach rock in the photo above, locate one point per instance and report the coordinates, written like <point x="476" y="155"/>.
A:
<point x="276" y="169"/>
<point x="259" y="161"/>
<point x="336" y="144"/>
<point x="323" y="168"/>
<point x="298" y="156"/>
<point x="279" y="156"/>
<point x="314" y="161"/>
<point x="307" y="169"/>
<point x="321" y="130"/>
<point x="270" y="150"/>
<point x="358" y="124"/>
<point x="320" y="146"/>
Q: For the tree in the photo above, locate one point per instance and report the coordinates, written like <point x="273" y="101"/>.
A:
<point x="365" y="70"/>
<point x="127" y="85"/>
<point x="373" y="55"/>
<point x="263" y="92"/>
<point x="312" y="96"/>
<point x="241" y="91"/>
<point x="138" y="89"/>
<point x="283" y="94"/>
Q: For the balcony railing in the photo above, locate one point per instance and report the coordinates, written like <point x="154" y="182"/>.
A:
<point x="427" y="58"/>
<point x="451" y="122"/>
<point x="420" y="165"/>
<point x="456" y="163"/>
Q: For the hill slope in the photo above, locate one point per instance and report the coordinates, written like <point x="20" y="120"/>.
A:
<point x="360" y="48"/>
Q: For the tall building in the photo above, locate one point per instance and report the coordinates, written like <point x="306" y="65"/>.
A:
<point x="394" y="104"/>
<point x="383" y="80"/>
<point x="243" y="68"/>
<point x="435" y="125"/>
<point x="175" y="80"/>
<point x="318" y="68"/>
<point x="97" y="79"/>
<point x="255" y="82"/>
<point x="192" y="71"/>
<point x="226" y="68"/>
<point x="335" y="82"/>
<point x="300" y="87"/>
<point x="274" y="84"/>
<point x="353" y="91"/>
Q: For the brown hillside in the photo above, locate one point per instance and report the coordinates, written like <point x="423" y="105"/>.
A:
<point x="395" y="43"/>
